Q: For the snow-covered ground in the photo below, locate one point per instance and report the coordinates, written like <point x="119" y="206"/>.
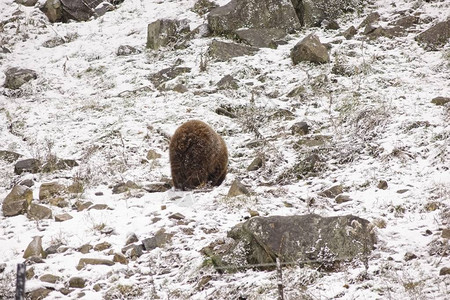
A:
<point x="101" y="109"/>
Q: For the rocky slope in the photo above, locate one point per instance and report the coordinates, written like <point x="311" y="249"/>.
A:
<point x="357" y="126"/>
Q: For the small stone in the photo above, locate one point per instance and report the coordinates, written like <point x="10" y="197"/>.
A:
<point x="159" y="240"/>
<point x="371" y="18"/>
<point x="65" y="291"/>
<point x="410" y="256"/>
<point x="382" y="185"/>
<point x="237" y="189"/>
<point x="16" y="77"/>
<point x="444" y="271"/>
<point x="180" y="88"/>
<point x="310" y="49"/>
<point x="63" y="217"/>
<point x="26" y="2"/>
<point x="402" y="191"/>
<point x="34" y="260"/>
<point x="432" y="206"/>
<point x="98" y="194"/>
<point x="80" y="205"/>
<point x="93" y="261"/>
<point x="77" y="282"/>
<point x="39" y="294"/>
<point x="332" y="192"/>
<point x="157" y="187"/>
<point x="253" y="213"/>
<point x="131" y="238"/>
<point x="225" y="112"/>
<point x="255" y="164"/>
<point x="99" y="207"/>
<point x="152" y="154"/>
<point x="125" y="50"/>
<point x="2" y="267"/>
<point x="228" y="82"/>
<point x="223" y="51"/>
<point x="177" y="216"/>
<point x="342" y="198"/>
<point x="85" y="248"/>
<point x="35" y="248"/>
<point x="27" y="182"/>
<point x="440" y="100"/>
<point x="51" y="190"/>
<point x="9" y="156"/>
<point x="53" y="249"/>
<point x="102" y="246"/>
<point x="49" y="278"/>
<point x="349" y="33"/>
<point x="29" y="273"/>
<point x="133" y="251"/>
<point x="123" y="187"/>
<point x="445" y="233"/>
<point x="300" y="128"/>
<point x="39" y="212"/>
<point x="120" y="258"/>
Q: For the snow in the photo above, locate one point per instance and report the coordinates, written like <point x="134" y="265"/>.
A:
<point x="91" y="105"/>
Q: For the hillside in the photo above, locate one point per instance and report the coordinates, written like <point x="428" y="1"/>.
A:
<point x="101" y="108"/>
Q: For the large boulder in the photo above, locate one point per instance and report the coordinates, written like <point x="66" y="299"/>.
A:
<point x="163" y="32"/>
<point x="313" y="12"/>
<point x="253" y="14"/>
<point x="435" y="37"/>
<point x="310" y="49"/>
<point x="16" y="77"/>
<point x="78" y="10"/>
<point x="17" y="201"/>
<point x="308" y="239"/>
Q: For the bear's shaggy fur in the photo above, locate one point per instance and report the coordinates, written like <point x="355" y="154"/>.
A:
<point x="198" y="156"/>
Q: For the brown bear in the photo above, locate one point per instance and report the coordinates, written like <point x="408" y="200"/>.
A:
<point x="198" y="156"/>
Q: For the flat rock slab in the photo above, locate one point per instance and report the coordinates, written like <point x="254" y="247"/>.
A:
<point x="435" y="37"/>
<point x="297" y="239"/>
<point x="223" y="51"/>
<point x="93" y="261"/>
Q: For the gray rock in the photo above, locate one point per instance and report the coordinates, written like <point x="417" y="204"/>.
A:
<point x="161" y="33"/>
<point x="99" y="207"/>
<point x="58" y="164"/>
<point x="313" y="12"/>
<point x="2" y="267"/>
<point x="102" y="246"/>
<point x="17" y="201"/>
<point x="444" y="271"/>
<point x="39" y="212"/>
<point x="35" y="248"/>
<point x="435" y="37"/>
<point x="228" y="82"/>
<point x="9" y="156"/>
<point x="370" y="19"/>
<point x="389" y="32"/>
<point x="309" y="239"/>
<point x="79" y="10"/>
<point x="349" y="33"/>
<point x="157" y="187"/>
<point x="177" y="216"/>
<point x="77" y="282"/>
<point x="202" y="7"/>
<point x="120" y="258"/>
<point x="40" y="293"/>
<point x="261" y="37"/>
<point x="225" y="112"/>
<point x="382" y="185"/>
<point x="167" y="74"/>
<point x="16" y="77"/>
<point x="310" y="49"/>
<point x="256" y="164"/>
<point x="152" y="154"/>
<point x="51" y="192"/>
<point x="406" y="22"/>
<point x="222" y="51"/>
<point x="125" y="50"/>
<point x="49" y="278"/>
<point x="159" y="240"/>
<point x="253" y="14"/>
<point x="85" y="248"/>
<point x="26" y="2"/>
<point x="93" y="261"/>
<point x="132" y="238"/>
<point x="410" y="256"/>
<point x="237" y="189"/>
<point x="440" y="100"/>
<point x="332" y="192"/>
<point x="27" y="182"/>
<point x="30" y="165"/>
<point x="300" y="128"/>
<point x="133" y="251"/>
<point x="342" y="198"/>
